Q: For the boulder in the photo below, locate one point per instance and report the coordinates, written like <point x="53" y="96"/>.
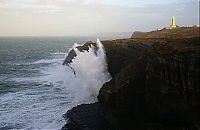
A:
<point x="86" y="117"/>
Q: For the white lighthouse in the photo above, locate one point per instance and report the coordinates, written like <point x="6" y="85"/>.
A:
<point x="173" y="24"/>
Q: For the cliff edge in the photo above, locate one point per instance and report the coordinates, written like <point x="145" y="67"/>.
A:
<point x="179" y="32"/>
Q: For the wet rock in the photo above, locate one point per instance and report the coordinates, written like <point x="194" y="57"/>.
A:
<point x="72" y="53"/>
<point x="86" y="117"/>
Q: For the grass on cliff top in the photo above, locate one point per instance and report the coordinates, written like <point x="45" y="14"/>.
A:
<point x="177" y="33"/>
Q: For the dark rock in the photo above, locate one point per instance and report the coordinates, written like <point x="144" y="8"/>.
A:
<point x="72" y="53"/>
<point x="86" y="117"/>
<point x="155" y="84"/>
<point x="69" y="57"/>
<point x="122" y="52"/>
<point x="161" y="89"/>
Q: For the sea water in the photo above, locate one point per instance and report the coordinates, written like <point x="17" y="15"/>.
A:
<point x="36" y="89"/>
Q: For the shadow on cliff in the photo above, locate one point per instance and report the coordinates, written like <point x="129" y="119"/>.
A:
<point x="155" y="84"/>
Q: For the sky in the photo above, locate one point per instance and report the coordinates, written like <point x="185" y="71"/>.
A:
<point x="88" y="17"/>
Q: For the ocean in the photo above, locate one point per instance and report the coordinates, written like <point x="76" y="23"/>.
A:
<point x="36" y="89"/>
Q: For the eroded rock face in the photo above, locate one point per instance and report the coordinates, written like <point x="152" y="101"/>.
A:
<point x="160" y="89"/>
<point x="173" y="78"/>
<point x="155" y="84"/>
<point x="120" y="53"/>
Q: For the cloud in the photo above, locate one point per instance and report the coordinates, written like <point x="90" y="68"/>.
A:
<point x="60" y="5"/>
<point x="29" y="5"/>
<point x="67" y="17"/>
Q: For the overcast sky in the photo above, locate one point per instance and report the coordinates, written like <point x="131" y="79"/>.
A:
<point x="87" y="17"/>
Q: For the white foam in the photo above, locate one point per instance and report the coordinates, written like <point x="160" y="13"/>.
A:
<point x="91" y="73"/>
<point x="42" y="107"/>
<point x="58" y="53"/>
<point x="75" y="45"/>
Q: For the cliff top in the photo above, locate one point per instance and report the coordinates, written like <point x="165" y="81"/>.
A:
<point x="176" y="33"/>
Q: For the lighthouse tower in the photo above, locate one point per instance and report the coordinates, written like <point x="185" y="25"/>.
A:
<point x="173" y="24"/>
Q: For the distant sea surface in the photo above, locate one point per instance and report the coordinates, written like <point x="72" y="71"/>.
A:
<point x="32" y="94"/>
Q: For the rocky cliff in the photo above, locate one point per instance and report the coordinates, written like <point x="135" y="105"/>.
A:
<point x="155" y="84"/>
<point x="160" y="89"/>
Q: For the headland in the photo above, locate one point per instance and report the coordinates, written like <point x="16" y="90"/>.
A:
<point x="155" y="83"/>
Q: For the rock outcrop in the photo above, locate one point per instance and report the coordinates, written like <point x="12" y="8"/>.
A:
<point x="72" y="53"/>
<point x="155" y="84"/>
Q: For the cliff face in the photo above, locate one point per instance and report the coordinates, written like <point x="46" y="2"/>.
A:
<point x="119" y="52"/>
<point x="160" y="89"/>
<point x="122" y="52"/>
<point x="155" y="84"/>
